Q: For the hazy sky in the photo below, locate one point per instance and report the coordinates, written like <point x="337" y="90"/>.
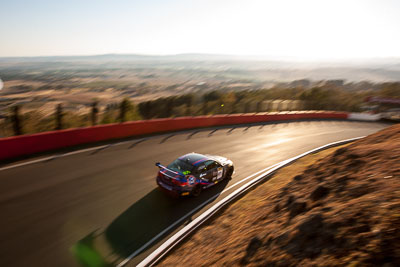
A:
<point x="313" y="29"/>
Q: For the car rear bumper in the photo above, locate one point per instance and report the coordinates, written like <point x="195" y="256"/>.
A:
<point x="172" y="190"/>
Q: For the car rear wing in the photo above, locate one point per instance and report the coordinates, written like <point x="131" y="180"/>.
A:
<point x="159" y="165"/>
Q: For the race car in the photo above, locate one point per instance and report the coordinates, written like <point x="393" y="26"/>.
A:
<point x="193" y="172"/>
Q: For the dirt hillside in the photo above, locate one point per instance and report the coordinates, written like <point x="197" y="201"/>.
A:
<point x="337" y="208"/>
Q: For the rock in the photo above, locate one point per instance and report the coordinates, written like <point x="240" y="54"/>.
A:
<point x="319" y="193"/>
<point x="311" y="225"/>
<point x="361" y="228"/>
<point x="356" y="163"/>
<point x="352" y="156"/>
<point x="277" y="208"/>
<point x="296" y="208"/>
<point x="254" y="244"/>
<point x="289" y="200"/>
<point x="298" y="177"/>
<point x="311" y="237"/>
<point x="340" y="151"/>
<point x="360" y="190"/>
<point x="342" y="180"/>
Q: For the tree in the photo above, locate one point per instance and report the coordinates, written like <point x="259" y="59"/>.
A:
<point x="212" y="96"/>
<point x="205" y="107"/>
<point x="94" y="113"/>
<point x="390" y="89"/>
<point x="59" y="117"/>
<point x="189" y="100"/>
<point x="128" y="111"/>
<point x="145" y="109"/>
<point x="15" y="118"/>
<point x="169" y="104"/>
<point x="247" y="107"/>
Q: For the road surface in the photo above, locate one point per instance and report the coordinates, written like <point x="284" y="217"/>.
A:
<point x="110" y="192"/>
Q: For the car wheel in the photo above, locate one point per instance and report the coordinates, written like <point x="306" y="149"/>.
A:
<point x="229" y="173"/>
<point x="196" y="191"/>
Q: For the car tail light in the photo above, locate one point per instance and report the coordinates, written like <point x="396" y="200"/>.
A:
<point x="178" y="182"/>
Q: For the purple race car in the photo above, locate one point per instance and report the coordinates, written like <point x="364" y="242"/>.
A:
<point x="193" y="172"/>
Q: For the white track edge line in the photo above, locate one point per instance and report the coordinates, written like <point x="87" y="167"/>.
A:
<point x="63" y="155"/>
<point x="52" y="157"/>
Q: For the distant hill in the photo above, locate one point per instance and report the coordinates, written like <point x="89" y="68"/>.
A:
<point x="260" y="68"/>
<point x="209" y="57"/>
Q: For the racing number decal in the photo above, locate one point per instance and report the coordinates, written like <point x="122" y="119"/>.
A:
<point x="191" y="180"/>
<point x="220" y="171"/>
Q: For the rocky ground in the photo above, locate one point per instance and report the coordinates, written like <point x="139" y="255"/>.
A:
<point x="340" y="207"/>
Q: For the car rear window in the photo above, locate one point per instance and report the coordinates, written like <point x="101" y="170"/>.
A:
<point x="180" y="166"/>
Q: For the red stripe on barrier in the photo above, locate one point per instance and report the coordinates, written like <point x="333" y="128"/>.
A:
<point x="11" y="147"/>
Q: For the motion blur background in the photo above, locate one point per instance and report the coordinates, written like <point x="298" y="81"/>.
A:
<point x="81" y="63"/>
<point x="68" y="64"/>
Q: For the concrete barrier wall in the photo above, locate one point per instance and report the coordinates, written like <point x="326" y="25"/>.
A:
<point x="364" y="117"/>
<point x="12" y="147"/>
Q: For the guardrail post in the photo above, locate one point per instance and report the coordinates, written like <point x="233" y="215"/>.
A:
<point x="247" y="107"/>
<point x="280" y="105"/>
<point x="168" y="107"/>
<point x="15" y="118"/>
<point x="205" y="108"/>
<point x="189" y="106"/>
<point x="259" y="106"/>
<point x="94" y="113"/>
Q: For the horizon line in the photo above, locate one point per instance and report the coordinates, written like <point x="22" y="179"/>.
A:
<point x="237" y="56"/>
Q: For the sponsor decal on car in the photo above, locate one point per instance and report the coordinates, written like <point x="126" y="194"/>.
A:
<point x="220" y="171"/>
<point x="191" y="180"/>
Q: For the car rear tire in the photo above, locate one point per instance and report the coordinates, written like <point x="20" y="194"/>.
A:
<point x="229" y="173"/>
<point x="197" y="191"/>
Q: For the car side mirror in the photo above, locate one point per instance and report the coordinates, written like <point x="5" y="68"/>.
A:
<point x="158" y="164"/>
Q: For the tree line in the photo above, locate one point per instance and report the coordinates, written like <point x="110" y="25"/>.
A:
<point x="195" y="104"/>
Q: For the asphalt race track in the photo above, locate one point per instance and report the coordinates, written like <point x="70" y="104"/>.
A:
<point x="110" y="192"/>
